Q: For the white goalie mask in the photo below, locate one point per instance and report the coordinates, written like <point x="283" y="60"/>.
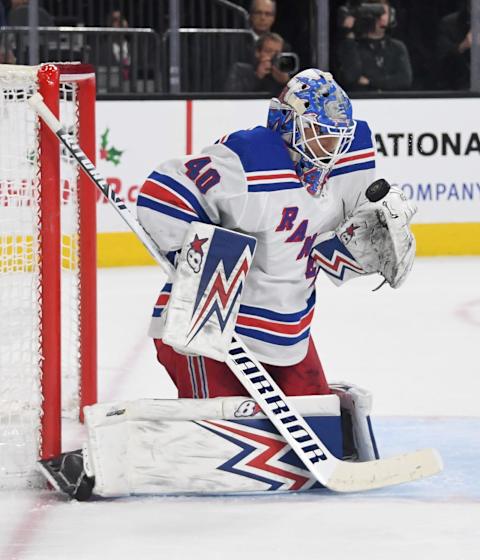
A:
<point x="314" y="116"/>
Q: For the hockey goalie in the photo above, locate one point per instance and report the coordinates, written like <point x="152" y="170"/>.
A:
<point x="249" y="223"/>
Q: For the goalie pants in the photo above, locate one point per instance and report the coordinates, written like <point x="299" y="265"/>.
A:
<point x="200" y="378"/>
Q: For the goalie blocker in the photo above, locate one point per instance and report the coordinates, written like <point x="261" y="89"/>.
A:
<point x="206" y="292"/>
<point x="222" y="445"/>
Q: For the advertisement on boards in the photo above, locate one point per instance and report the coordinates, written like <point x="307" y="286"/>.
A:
<point x="430" y="148"/>
<point x="132" y="138"/>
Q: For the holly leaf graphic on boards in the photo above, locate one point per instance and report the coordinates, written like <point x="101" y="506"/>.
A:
<point x="107" y="152"/>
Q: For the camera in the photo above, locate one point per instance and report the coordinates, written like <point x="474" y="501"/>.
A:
<point x="286" y="62"/>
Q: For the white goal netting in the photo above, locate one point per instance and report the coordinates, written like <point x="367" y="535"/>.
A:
<point x="22" y="271"/>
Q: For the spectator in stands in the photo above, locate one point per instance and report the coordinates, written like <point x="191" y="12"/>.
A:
<point x="367" y="58"/>
<point x="262" y="16"/>
<point x="116" y="50"/>
<point x="454" y="45"/>
<point x="14" y="4"/>
<point x="263" y="75"/>
<point x="18" y="15"/>
<point x="116" y="19"/>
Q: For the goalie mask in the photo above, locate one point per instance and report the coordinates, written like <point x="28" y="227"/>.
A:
<point x="314" y="116"/>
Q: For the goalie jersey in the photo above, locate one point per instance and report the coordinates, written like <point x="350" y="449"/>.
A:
<point x="247" y="182"/>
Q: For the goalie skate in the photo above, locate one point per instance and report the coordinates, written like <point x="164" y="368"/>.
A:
<point x="67" y="474"/>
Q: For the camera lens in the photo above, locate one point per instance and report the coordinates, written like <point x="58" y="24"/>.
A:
<point x="286" y="62"/>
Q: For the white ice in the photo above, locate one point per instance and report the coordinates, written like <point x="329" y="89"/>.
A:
<point x="416" y="348"/>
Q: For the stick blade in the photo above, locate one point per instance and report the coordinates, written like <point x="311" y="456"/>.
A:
<point x="357" y="477"/>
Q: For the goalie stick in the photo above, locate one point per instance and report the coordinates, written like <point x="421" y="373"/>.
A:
<point x="331" y="472"/>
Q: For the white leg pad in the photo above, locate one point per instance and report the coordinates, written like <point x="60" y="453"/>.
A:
<point x="176" y="446"/>
<point x="357" y="402"/>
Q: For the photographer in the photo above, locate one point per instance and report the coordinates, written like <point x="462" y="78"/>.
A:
<point x="367" y="59"/>
<point x="269" y="74"/>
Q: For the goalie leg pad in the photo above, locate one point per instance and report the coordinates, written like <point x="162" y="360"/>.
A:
<point x="356" y="406"/>
<point x="222" y="445"/>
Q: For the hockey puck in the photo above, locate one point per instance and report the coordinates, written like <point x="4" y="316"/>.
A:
<point x="377" y="190"/>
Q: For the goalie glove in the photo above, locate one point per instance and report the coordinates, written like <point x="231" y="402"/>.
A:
<point x="375" y="237"/>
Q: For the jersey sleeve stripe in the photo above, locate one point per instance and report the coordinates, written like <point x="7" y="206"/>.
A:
<point x="356" y="156"/>
<point x="155" y="191"/>
<point x="223" y="139"/>
<point x="182" y="191"/>
<point x="264" y="176"/>
<point x="274" y="187"/>
<point x="162" y="300"/>
<point x="171" y="211"/>
<point x="274" y="180"/>
<point x="352" y="168"/>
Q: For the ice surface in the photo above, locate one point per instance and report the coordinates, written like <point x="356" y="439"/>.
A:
<point x="416" y="348"/>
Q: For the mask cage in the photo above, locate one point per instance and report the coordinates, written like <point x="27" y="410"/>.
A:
<point x="328" y="154"/>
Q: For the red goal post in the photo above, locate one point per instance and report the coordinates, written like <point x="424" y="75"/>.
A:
<point x="47" y="264"/>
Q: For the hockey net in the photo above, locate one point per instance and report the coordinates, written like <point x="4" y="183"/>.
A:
<point x="47" y="266"/>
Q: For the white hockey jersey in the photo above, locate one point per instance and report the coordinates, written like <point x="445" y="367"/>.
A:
<point x="247" y="182"/>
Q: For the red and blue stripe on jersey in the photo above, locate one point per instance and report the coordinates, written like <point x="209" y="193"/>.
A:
<point x="263" y="324"/>
<point x="265" y="160"/>
<point x="361" y="154"/>
<point x="162" y="300"/>
<point x="284" y="329"/>
<point x="164" y="194"/>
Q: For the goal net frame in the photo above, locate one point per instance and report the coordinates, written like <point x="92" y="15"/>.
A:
<point x="49" y="79"/>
